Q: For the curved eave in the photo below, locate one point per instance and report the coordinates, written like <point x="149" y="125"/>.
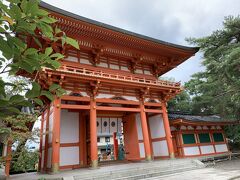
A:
<point x="200" y="123"/>
<point x="190" y="50"/>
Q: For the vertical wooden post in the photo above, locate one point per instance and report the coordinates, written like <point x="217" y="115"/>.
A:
<point x="146" y="140"/>
<point x="212" y="141"/>
<point x="115" y="145"/>
<point x="93" y="132"/>
<point x="41" y="145"/>
<point x="46" y="140"/>
<point x="8" y="157"/>
<point x="56" y="135"/>
<point x="167" y="130"/>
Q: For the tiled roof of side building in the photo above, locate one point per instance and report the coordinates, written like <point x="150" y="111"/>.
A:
<point x="107" y="26"/>
<point x="196" y="118"/>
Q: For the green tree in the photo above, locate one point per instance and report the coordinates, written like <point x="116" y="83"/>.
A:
<point x="21" y="20"/>
<point x="181" y="103"/>
<point x="216" y="90"/>
<point x="25" y="161"/>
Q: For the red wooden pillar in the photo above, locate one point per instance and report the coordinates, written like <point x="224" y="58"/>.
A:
<point x="41" y="145"/>
<point x="46" y="140"/>
<point x="8" y="157"/>
<point x="167" y="130"/>
<point x="93" y="133"/>
<point x="115" y="145"/>
<point x="56" y="135"/>
<point x="146" y="140"/>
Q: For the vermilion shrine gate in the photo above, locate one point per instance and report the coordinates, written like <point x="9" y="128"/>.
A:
<point x="115" y="74"/>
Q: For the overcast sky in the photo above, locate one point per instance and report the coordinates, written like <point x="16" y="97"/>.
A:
<point x="168" y="20"/>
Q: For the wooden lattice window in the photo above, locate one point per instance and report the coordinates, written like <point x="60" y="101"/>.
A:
<point x="218" y="137"/>
<point x="188" y="139"/>
<point x="204" y="138"/>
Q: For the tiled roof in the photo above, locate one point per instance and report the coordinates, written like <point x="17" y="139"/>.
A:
<point x="211" y="118"/>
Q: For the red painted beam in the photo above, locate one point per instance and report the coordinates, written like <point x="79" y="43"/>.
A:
<point x="73" y="106"/>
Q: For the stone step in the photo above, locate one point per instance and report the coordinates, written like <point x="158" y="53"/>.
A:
<point x="139" y="166"/>
<point x="146" y="167"/>
<point x="139" y="170"/>
<point x="138" y="174"/>
<point x="157" y="174"/>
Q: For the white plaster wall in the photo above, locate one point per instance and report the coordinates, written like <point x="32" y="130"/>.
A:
<point x="43" y="140"/>
<point x="84" y="61"/>
<point x="44" y="132"/>
<point x="51" y="107"/>
<point x="156" y="126"/>
<point x="205" y="127"/>
<point x="44" y="128"/>
<point x="103" y="143"/>
<point x="102" y="64"/>
<point x="45" y="115"/>
<point x="207" y="149"/>
<point x="183" y="127"/>
<point x="141" y="150"/>
<point x="219" y="127"/>
<point x="68" y="92"/>
<point x="213" y="127"/>
<point x="100" y="95"/>
<point x="147" y="72"/>
<point x="120" y="125"/>
<point x="139" y="71"/>
<point x="148" y="99"/>
<point x="124" y="68"/>
<point x="69" y="156"/>
<point x="130" y="98"/>
<point x="199" y="127"/>
<point x="113" y="66"/>
<point x="71" y="58"/>
<point x="49" y="158"/>
<point x="84" y="94"/>
<point x="50" y="128"/>
<point x="109" y="128"/>
<point x="99" y="125"/>
<point x="139" y="126"/>
<point x="69" y="127"/>
<point x="160" y="148"/>
<point x="221" y="148"/>
<point x="105" y="129"/>
<point x="189" y="151"/>
<point x="113" y="129"/>
<point x="190" y="128"/>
